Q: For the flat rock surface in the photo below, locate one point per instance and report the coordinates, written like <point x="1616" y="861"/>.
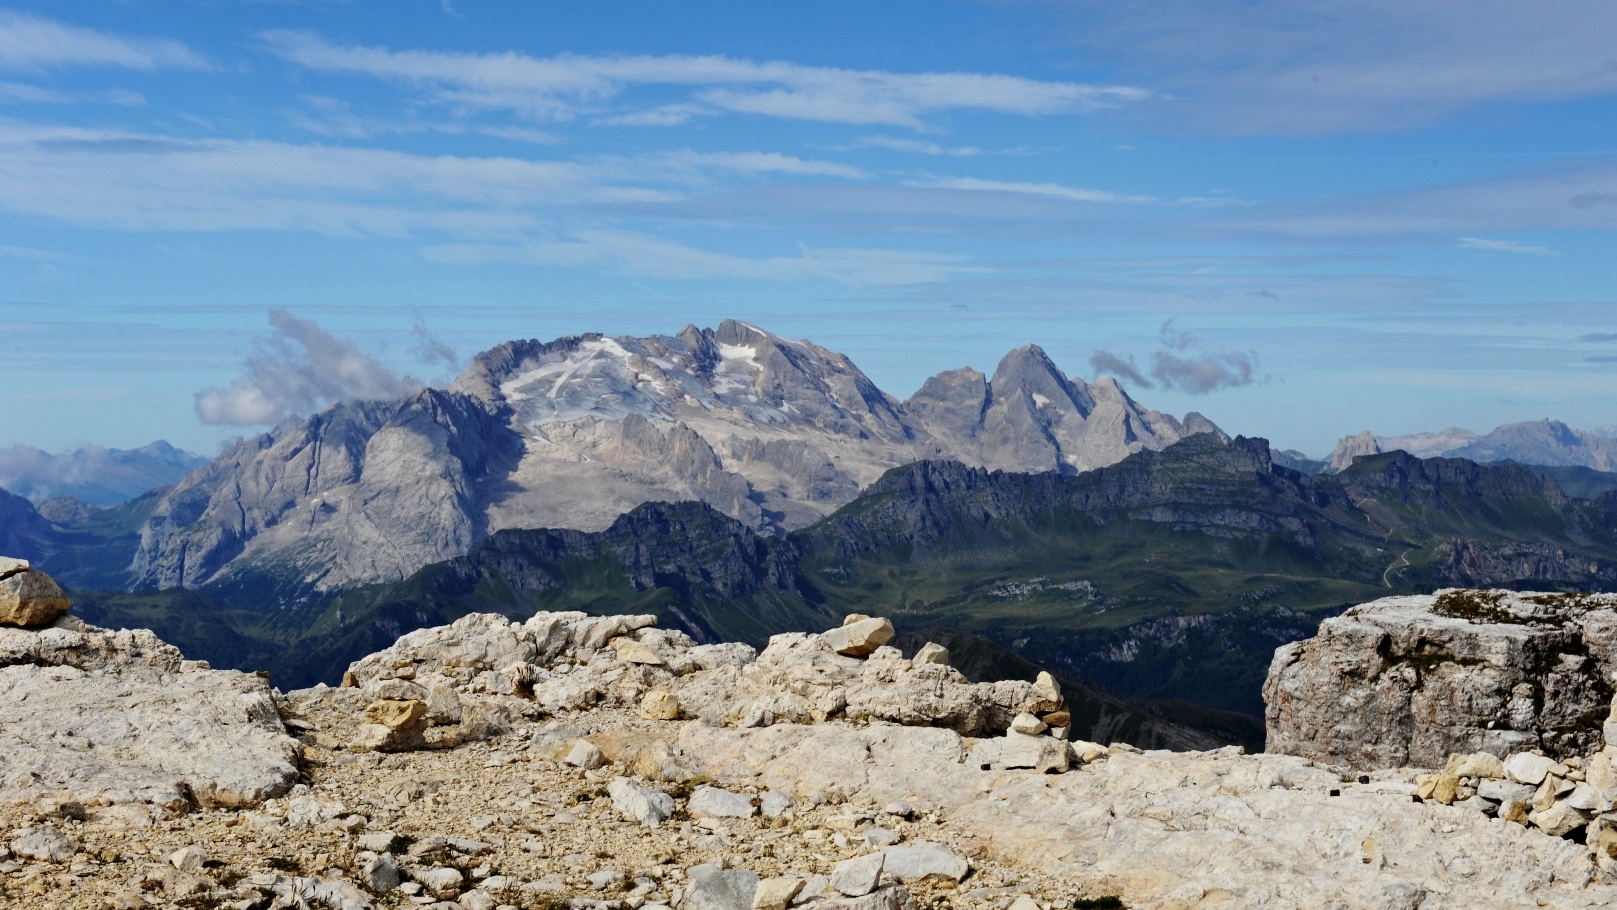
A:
<point x="120" y="716"/>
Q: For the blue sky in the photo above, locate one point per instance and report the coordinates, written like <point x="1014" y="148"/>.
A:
<point x="1302" y="219"/>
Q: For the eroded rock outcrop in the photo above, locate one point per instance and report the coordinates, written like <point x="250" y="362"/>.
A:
<point x="1407" y="681"/>
<point x="123" y="717"/>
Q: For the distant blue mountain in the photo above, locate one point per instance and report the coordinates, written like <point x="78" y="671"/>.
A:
<point x="94" y="475"/>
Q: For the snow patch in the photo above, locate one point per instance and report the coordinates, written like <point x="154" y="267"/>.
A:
<point x="1040" y="400"/>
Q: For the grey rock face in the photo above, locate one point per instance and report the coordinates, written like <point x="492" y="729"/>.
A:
<point x="1031" y="417"/>
<point x="361" y="491"/>
<point x="573" y="433"/>
<point x="1406" y="681"/>
<point x="120" y="715"/>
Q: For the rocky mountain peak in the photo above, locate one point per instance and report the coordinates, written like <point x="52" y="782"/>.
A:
<point x="572" y="433"/>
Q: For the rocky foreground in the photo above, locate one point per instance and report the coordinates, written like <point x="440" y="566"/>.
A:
<point x="607" y="763"/>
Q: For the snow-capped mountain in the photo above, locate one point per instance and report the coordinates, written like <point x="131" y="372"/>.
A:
<point x="574" y="432"/>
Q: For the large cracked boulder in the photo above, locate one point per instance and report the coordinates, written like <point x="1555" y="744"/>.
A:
<point x="27" y="597"/>
<point x="122" y="716"/>
<point x="1407" y="681"/>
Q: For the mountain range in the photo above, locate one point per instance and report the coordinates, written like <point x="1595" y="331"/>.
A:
<point x="572" y="433"/>
<point x="1550" y="443"/>
<point x="1172" y="574"/>
<point x="739" y="484"/>
<point x="94" y="475"/>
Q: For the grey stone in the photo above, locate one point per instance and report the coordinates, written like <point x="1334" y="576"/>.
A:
<point x="924" y="860"/>
<point x="880" y="837"/>
<point x="375" y="841"/>
<point x="377" y="872"/>
<point x="441" y="881"/>
<point x="584" y="754"/>
<point x="44" y="842"/>
<point x="861" y="637"/>
<point x="858" y="876"/>
<point x="146" y="724"/>
<point x="1501" y="790"/>
<point x="1527" y="768"/>
<point x="604" y="879"/>
<point x="713" y="802"/>
<point x="773" y="804"/>
<point x="715" y="889"/>
<point x="642" y="804"/>
<point x="189" y="858"/>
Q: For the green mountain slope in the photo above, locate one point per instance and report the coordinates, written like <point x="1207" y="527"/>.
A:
<point x="1172" y="575"/>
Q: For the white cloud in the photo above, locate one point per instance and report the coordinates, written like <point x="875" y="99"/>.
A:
<point x="20" y="93"/>
<point x="34" y="43"/>
<point x="298" y="370"/>
<point x="563" y="86"/>
<point x="755" y="163"/>
<point x="655" y="257"/>
<point x="1573" y="195"/>
<point x="134" y="181"/>
<point x="919" y="147"/>
<point x="1054" y="190"/>
<point x="1308" y="67"/>
<point x="130" y="181"/>
<point x="1504" y="246"/>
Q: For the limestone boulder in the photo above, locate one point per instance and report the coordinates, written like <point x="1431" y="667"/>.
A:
<point x="392" y="725"/>
<point x="30" y="598"/>
<point x="860" y="637"/>
<point x="660" y="704"/>
<point x="924" y="860"/>
<point x="642" y="804"/>
<point x="1406" y="681"/>
<point x="714" y="802"/>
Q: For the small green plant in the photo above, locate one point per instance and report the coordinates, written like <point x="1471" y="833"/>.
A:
<point x="400" y="843"/>
<point x="685" y="788"/>
<point x="1106" y="902"/>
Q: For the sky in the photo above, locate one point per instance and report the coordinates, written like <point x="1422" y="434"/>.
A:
<point x="1302" y="219"/>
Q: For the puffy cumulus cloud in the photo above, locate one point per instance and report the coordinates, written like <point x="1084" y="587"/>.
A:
<point x="298" y="370"/>
<point x="1177" y="364"/>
